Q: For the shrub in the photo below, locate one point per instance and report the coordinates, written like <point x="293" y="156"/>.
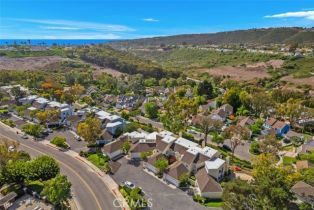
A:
<point x="8" y="122"/>
<point x="60" y="142"/>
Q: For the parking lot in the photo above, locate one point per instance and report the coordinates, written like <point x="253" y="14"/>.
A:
<point x="75" y="145"/>
<point x="162" y="195"/>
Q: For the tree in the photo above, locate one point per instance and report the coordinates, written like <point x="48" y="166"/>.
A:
<point x="269" y="144"/>
<point x="5" y="154"/>
<point x="89" y="129"/>
<point x="42" y="117"/>
<point x="151" y="109"/>
<point x="161" y="164"/>
<point x="205" y="88"/>
<point x="17" y="92"/>
<point x="53" y="115"/>
<point x="260" y="103"/>
<point x="232" y="97"/>
<point x="60" y="141"/>
<point x="207" y="123"/>
<point x="43" y="167"/>
<point x="33" y="129"/>
<point x="307" y="176"/>
<point x="184" y="180"/>
<point x="237" y="194"/>
<point x="14" y="171"/>
<point x="57" y="190"/>
<point x="272" y="184"/>
<point x="126" y="147"/>
<point x="177" y="113"/>
<point x="269" y="188"/>
<point x="237" y="134"/>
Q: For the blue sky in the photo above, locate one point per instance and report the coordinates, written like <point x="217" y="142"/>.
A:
<point x="117" y="19"/>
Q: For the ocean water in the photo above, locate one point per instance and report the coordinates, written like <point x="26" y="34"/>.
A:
<point x="49" y="42"/>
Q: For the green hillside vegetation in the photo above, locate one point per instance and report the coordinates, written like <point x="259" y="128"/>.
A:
<point x="188" y="58"/>
<point x="22" y="52"/>
<point x="252" y="36"/>
<point x="122" y="61"/>
<point x="299" y="67"/>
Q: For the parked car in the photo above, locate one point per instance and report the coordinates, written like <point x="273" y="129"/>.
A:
<point x="129" y="184"/>
<point x="11" y="148"/>
<point x="192" y="131"/>
<point x="77" y="138"/>
<point x="226" y="147"/>
<point x="24" y="136"/>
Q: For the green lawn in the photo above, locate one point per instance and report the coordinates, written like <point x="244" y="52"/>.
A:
<point x="288" y="160"/>
<point x="99" y="160"/>
<point x="213" y="204"/>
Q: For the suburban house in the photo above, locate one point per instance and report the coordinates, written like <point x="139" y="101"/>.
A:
<point x="222" y="113"/>
<point x="207" y="187"/>
<point x="304" y="192"/>
<point x="135" y="136"/>
<point x="110" y="122"/>
<point x="216" y="168"/>
<point x="246" y="121"/>
<point x="40" y="103"/>
<point x="307" y="147"/>
<point x="113" y="127"/>
<point x="175" y="172"/>
<point x="28" y="100"/>
<point x="291" y="134"/>
<point x="211" y="104"/>
<point x="142" y="145"/>
<point x="73" y="121"/>
<point x="303" y="164"/>
<point x="195" y="157"/>
<point x="114" y="149"/>
<point x="279" y="127"/>
<point x="65" y="109"/>
<point x="181" y="145"/>
<point x="163" y="143"/>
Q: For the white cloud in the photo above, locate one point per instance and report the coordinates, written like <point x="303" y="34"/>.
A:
<point x="303" y="14"/>
<point x="79" y="24"/>
<point x="150" y="20"/>
<point x="58" y="28"/>
<point x="60" y="36"/>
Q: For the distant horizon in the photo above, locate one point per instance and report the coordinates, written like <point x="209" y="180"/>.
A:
<point x="126" y="19"/>
<point x="117" y="40"/>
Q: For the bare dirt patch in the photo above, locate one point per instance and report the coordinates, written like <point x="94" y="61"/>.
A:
<point x="238" y="73"/>
<point x="299" y="81"/>
<point x="247" y="72"/>
<point x="28" y="63"/>
<point x="99" y="70"/>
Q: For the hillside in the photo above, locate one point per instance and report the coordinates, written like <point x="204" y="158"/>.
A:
<point x="252" y="36"/>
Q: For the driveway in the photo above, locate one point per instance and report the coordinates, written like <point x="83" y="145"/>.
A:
<point x="163" y="197"/>
<point x="75" y="145"/>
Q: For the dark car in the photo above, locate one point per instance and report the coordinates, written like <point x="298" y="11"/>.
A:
<point x="226" y="147"/>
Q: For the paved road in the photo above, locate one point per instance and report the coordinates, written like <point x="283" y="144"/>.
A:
<point x="89" y="190"/>
<point x="163" y="197"/>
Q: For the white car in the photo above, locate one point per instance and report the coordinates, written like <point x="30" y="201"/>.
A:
<point x="77" y="138"/>
<point x="11" y="148"/>
<point x="129" y="184"/>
